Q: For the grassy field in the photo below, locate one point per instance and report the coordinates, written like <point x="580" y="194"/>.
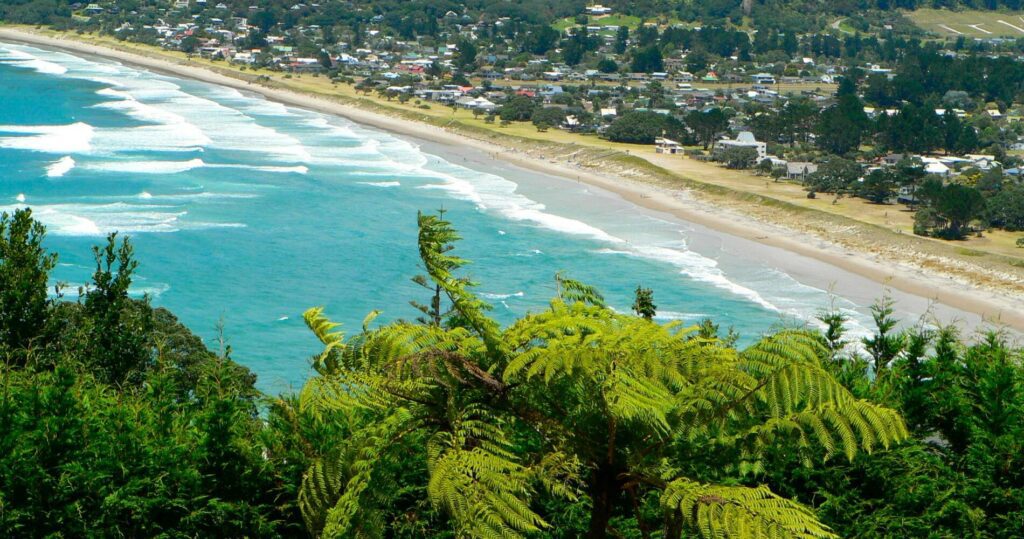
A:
<point x="607" y="20"/>
<point x="970" y="23"/>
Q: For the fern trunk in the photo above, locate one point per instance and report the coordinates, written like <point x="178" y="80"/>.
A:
<point x="602" y="496"/>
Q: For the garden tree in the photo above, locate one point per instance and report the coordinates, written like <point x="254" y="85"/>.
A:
<point x="647" y="60"/>
<point x="794" y="122"/>
<point x="643" y="304"/>
<point x="118" y="328"/>
<point x="643" y="127"/>
<point x="707" y="125"/>
<point x="959" y="205"/>
<point x="737" y="157"/>
<point x="878" y="91"/>
<point x="607" y="65"/>
<point x="465" y="54"/>
<point x="968" y="141"/>
<point x="879" y="186"/>
<point x="517" y="109"/>
<point x="1005" y="209"/>
<point x="834" y="176"/>
<point x="909" y="174"/>
<point x="914" y="129"/>
<point x="655" y="93"/>
<point x="571" y="403"/>
<point x="549" y="116"/>
<point x="577" y="45"/>
<point x="621" y="39"/>
<point x="952" y="130"/>
<point x="24" y="271"/>
<point x="540" y="39"/>
<point x="572" y="52"/>
<point x="841" y="127"/>
<point x="325" y="60"/>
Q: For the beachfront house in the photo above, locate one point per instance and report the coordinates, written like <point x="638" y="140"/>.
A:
<point x="745" y="139"/>
<point x="669" y="146"/>
<point x="799" y="170"/>
<point x="476" y="103"/>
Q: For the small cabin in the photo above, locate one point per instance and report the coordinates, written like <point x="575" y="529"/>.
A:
<point x="669" y="146"/>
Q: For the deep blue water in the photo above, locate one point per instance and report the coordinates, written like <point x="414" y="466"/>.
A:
<point x="248" y="212"/>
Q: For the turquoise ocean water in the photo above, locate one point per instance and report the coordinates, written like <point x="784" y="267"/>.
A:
<point x="249" y="212"/>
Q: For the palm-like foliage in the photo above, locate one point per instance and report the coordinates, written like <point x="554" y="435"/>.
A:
<point x="575" y="399"/>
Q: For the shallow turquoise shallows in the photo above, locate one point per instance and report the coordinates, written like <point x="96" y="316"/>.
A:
<point x="248" y="212"/>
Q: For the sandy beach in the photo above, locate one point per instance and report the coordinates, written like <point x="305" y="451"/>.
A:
<point x="823" y="263"/>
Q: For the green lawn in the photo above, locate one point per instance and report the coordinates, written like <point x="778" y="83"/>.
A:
<point x="970" y="23"/>
<point x="607" y="20"/>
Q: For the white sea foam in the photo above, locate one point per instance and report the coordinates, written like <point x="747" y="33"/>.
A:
<point x="490" y="192"/>
<point x="71" y="290"/>
<point x="101" y="219"/>
<point x="20" y="197"/>
<point x="72" y="138"/>
<point x="502" y="296"/>
<point x="177" y="167"/>
<point x="674" y="315"/>
<point x="178" y="137"/>
<point x="299" y="169"/>
<point x="145" y="195"/>
<point x="381" y="184"/>
<point x="22" y="59"/>
<point x="147" y="167"/>
<point x="695" y="266"/>
<point x="60" y="167"/>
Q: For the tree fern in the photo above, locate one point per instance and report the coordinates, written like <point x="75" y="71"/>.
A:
<point x="563" y="398"/>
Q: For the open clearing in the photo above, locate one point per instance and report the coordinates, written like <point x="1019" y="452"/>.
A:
<point x="970" y="23"/>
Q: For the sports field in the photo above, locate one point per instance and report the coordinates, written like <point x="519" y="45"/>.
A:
<point x="970" y="23"/>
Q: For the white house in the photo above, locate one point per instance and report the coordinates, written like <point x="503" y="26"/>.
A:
<point x="664" y="145"/>
<point x="745" y="139"/>
<point x="598" y="9"/>
<point x="933" y="166"/>
<point x="476" y="103"/>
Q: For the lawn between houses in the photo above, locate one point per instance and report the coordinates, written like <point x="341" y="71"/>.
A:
<point x="782" y="203"/>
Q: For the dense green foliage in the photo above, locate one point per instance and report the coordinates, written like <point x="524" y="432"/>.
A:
<point x="643" y="127"/>
<point x="573" y="421"/>
<point x="115" y="420"/>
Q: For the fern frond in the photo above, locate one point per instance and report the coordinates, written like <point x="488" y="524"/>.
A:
<point x="435" y="243"/>
<point x="332" y="491"/>
<point x="572" y="291"/>
<point x="741" y="512"/>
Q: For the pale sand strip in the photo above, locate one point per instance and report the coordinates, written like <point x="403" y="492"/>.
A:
<point x="1003" y="308"/>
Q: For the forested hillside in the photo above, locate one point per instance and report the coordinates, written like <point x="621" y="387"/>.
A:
<point x="573" y="421"/>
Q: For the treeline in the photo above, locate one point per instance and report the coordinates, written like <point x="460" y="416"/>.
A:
<point x="573" y="421"/>
<point x="116" y="420"/>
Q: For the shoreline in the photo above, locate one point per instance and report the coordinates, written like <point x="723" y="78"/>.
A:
<point x="999" y="309"/>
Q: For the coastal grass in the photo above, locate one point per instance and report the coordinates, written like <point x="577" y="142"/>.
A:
<point x="851" y="222"/>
